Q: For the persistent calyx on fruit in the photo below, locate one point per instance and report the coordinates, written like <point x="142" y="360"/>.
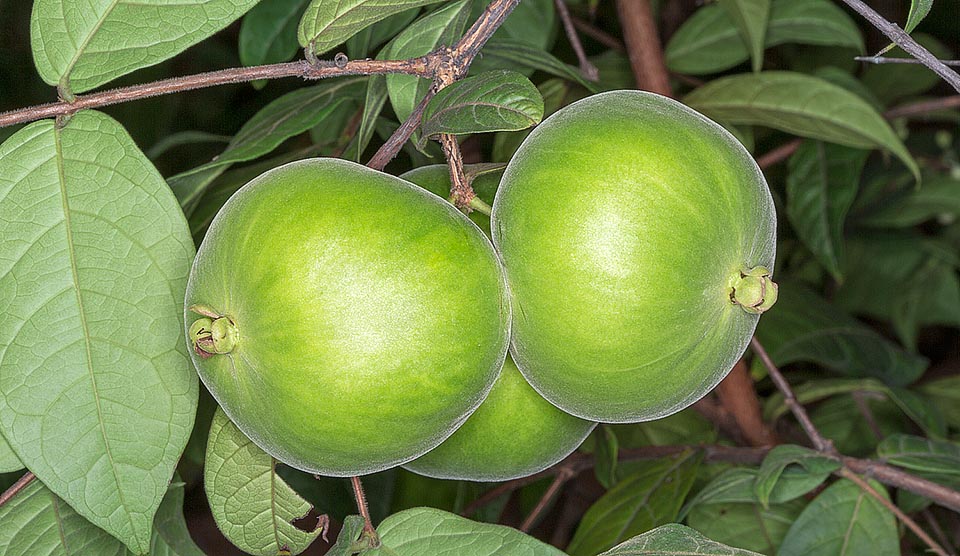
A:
<point x="636" y="235"/>
<point x="345" y="320"/>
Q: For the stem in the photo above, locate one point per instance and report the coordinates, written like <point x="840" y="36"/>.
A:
<point x="904" y="518"/>
<point x="422" y="66"/>
<point x="587" y="68"/>
<point x="598" y="35"/>
<point x="361" y="499"/>
<point x="886" y="60"/>
<point x="906" y="42"/>
<point x="738" y="394"/>
<point x="461" y="193"/>
<point x="14" y="489"/>
<point x="643" y="46"/>
<point x="778" y="154"/>
<point x="924" y="107"/>
<point x="561" y="479"/>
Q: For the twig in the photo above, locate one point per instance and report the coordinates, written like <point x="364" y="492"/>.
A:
<point x="888" y="60"/>
<point x="819" y="442"/>
<point x="778" y="154"/>
<point x="598" y="35"/>
<point x="561" y="479"/>
<point x="906" y="42"/>
<point x="643" y="46"/>
<point x="361" y="499"/>
<point x="16" y="487"/>
<point x="892" y="476"/>
<point x="461" y="193"/>
<point x="904" y="518"/>
<point x="453" y="64"/>
<point x="923" y="107"/>
<point x="587" y="68"/>
<point x="938" y="531"/>
<point x="739" y="396"/>
<point x="423" y="66"/>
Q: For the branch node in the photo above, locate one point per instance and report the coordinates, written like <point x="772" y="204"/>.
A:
<point x="340" y="60"/>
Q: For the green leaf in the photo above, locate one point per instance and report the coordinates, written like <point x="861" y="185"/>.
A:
<point x="97" y="395"/>
<point x="170" y="534"/>
<point x="918" y="10"/>
<point x="747" y="526"/>
<point x="9" y="461"/>
<point x="376" y="98"/>
<point x="183" y="138"/>
<point x="822" y="182"/>
<point x="327" y="23"/>
<point x="346" y="544"/>
<point x="709" y="42"/>
<point x="939" y="198"/>
<point x="493" y="101"/>
<point x="533" y="22"/>
<point x="431" y="532"/>
<point x="676" y="539"/>
<point x="82" y="44"/>
<point x="31" y="517"/>
<point x="809" y="470"/>
<point x="751" y="18"/>
<point x="733" y="485"/>
<point x="252" y="506"/>
<point x="805" y="327"/>
<point x="359" y="45"/>
<point x="285" y="117"/>
<point x="800" y="104"/>
<point x="514" y="54"/>
<point x="605" y="456"/>
<point x="441" y="27"/>
<point x="649" y="497"/>
<point x="843" y="520"/>
<point x="944" y="393"/>
<point x="268" y="34"/>
<point x="916" y="453"/>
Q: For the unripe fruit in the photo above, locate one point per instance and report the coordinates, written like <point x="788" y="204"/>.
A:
<point x="355" y="320"/>
<point x="624" y="221"/>
<point x="514" y="433"/>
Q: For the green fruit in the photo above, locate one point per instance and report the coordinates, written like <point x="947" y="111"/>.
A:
<point x="514" y="433"/>
<point x="349" y="321"/>
<point x="626" y="222"/>
<point x="483" y="178"/>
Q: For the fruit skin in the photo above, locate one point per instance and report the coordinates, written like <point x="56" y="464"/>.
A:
<point x="514" y="433"/>
<point x="624" y="221"/>
<point x="484" y="179"/>
<point x="371" y="316"/>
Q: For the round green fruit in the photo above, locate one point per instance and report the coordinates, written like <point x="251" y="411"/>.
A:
<point x="514" y="433"/>
<point x="346" y="320"/>
<point x="626" y="223"/>
<point x="483" y="178"/>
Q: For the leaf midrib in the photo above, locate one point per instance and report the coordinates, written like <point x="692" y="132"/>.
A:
<point x="65" y="78"/>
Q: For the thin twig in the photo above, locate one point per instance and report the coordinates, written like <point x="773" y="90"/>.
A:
<point x="906" y="42"/>
<point x="461" y="193"/>
<point x="14" y="489"/>
<point x="904" y="518"/>
<point x="401" y="135"/>
<point x="924" y="107"/>
<point x="888" y="60"/>
<point x="643" y="46"/>
<point x="598" y="34"/>
<point x="821" y="443"/>
<point x="361" y="499"/>
<point x="587" y="68"/>
<point x="778" y="154"/>
<point x="423" y="66"/>
<point x="561" y="479"/>
<point x="892" y="476"/>
<point x="938" y="531"/>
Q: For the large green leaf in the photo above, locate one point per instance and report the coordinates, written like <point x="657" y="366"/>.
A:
<point x="35" y="521"/>
<point x="441" y="27"/>
<point x="431" y="532"/>
<point x="268" y="34"/>
<point x="289" y="115"/>
<point x="493" y="101"/>
<point x="674" y="539"/>
<point x="746" y="525"/>
<point x="709" y="42"/>
<point x="360" y="45"/>
<point x="252" y="505"/>
<point x="939" y="198"/>
<point x="921" y="454"/>
<point x="751" y="18"/>
<point x="327" y="23"/>
<point x="843" y="520"/>
<point x="822" y="182"/>
<point x="8" y="459"/>
<point x="82" y="44"/>
<point x="800" y="104"/>
<point x="97" y="395"/>
<point x="805" y="327"/>
<point x="533" y="22"/>
<point x="651" y="496"/>
<point x="514" y="54"/>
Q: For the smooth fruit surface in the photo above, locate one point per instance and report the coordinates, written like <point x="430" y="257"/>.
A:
<point x="346" y="320"/>
<point x="514" y="433"/>
<point x="483" y="178"/>
<point x="624" y="221"/>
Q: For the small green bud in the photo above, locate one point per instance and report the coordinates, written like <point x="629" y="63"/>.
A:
<point x="201" y="337"/>
<point x="753" y="290"/>
<point x="224" y="335"/>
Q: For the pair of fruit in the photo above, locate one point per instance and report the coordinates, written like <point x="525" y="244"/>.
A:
<point x="349" y="321"/>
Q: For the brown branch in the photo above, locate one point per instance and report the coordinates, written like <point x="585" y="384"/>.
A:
<point x="16" y="487"/>
<point x="643" y="46"/>
<point x="587" y="68"/>
<point x="886" y="60"/>
<point x="598" y="35"/>
<point x="892" y="476"/>
<point x="564" y="475"/>
<point x="938" y="531"/>
<point x="461" y="193"/>
<point x="904" y="518"/>
<point x="423" y="66"/>
<point x="923" y="107"/>
<point x="739" y="396"/>
<point x="906" y="42"/>
<point x="778" y="154"/>
<point x="368" y="529"/>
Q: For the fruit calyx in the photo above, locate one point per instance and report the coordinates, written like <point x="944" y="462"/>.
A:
<point x="753" y="290"/>
<point x="214" y="334"/>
